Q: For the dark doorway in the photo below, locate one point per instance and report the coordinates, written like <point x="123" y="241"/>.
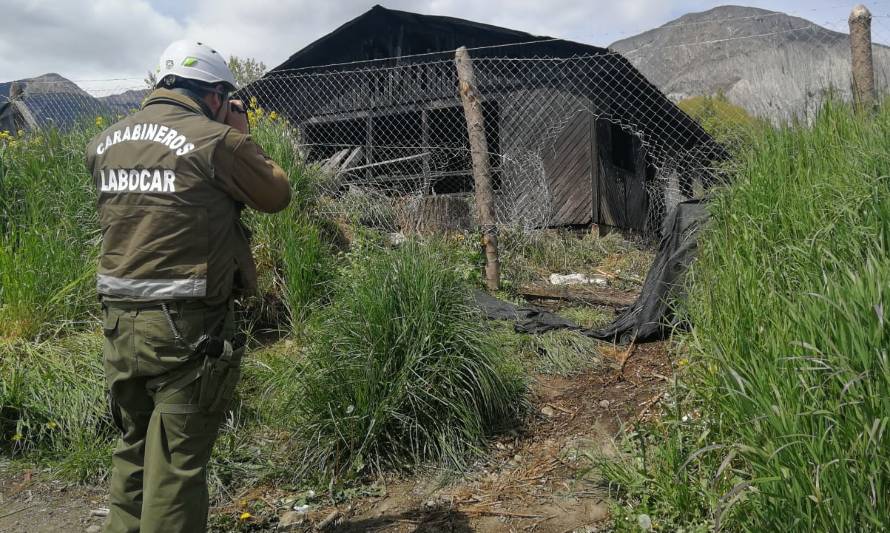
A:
<point x="621" y="177"/>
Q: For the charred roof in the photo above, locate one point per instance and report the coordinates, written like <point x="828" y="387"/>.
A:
<point x="382" y="33"/>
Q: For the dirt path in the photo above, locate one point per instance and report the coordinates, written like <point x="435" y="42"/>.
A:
<point x="31" y="502"/>
<point x="535" y="480"/>
<point x="538" y="480"/>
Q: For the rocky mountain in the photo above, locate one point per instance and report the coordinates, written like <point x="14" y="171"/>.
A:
<point x="51" y="83"/>
<point x="125" y="102"/>
<point x="48" y="100"/>
<point x="51" y="99"/>
<point x="771" y="64"/>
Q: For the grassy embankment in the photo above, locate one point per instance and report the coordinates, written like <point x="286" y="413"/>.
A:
<point x="781" y="421"/>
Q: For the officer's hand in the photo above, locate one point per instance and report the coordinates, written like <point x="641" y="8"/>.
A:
<point x="237" y="116"/>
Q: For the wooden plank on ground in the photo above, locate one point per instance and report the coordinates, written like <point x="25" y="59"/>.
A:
<point x="585" y="294"/>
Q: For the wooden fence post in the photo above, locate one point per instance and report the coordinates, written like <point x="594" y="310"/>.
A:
<point x="860" y="48"/>
<point x="472" y="102"/>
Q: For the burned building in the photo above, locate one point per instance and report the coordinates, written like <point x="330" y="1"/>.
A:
<point x="576" y="134"/>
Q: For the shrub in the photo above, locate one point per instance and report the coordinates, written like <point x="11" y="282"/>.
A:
<point x="727" y="122"/>
<point x="401" y="370"/>
<point x="294" y="247"/>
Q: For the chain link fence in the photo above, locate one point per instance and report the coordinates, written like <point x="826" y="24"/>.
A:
<point x="572" y="141"/>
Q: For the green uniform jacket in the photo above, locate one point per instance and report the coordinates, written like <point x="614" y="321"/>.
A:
<point x="172" y="183"/>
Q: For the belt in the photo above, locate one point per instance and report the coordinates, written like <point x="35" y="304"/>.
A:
<point x="183" y="305"/>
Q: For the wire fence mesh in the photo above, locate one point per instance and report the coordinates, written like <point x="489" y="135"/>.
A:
<point x="573" y="141"/>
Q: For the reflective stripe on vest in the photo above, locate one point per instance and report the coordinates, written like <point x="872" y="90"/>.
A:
<point x="151" y="288"/>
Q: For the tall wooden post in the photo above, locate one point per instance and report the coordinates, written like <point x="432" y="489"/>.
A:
<point x="472" y="102"/>
<point x="860" y="48"/>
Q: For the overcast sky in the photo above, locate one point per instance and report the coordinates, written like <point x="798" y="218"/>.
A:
<point x="121" y="39"/>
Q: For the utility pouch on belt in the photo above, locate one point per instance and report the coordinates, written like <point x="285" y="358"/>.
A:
<point x="218" y="367"/>
<point x="220" y="372"/>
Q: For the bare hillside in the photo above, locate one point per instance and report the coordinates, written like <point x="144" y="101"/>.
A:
<point x="772" y="64"/>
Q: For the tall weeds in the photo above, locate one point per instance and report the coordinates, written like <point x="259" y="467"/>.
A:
<point x="396" y="369"/>
<point x="48" y="233"/>
<point x="787" y="428"/>
<point x="53" y="404"/>
<point x="402" y="370"/>
<point x="294" y="247"/>
<point x="791" y="323"/>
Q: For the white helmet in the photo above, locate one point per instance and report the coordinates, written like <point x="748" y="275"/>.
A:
<point x="195" y="61"/>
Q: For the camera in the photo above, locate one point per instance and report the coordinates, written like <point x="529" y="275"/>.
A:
<point x="236" y="106"/>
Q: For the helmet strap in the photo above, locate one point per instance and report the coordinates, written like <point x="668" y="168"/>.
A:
<point x="193" y="90"/>
<point x="197" y="98"/>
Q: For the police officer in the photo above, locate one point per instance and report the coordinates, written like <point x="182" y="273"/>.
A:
<point x="172" y="181"/>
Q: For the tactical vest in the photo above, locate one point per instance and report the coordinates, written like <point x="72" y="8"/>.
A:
<point x="169" y="231"/>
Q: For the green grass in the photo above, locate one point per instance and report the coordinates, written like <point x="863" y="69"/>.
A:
<point x="294" y="248"/>
<point x="790" y="386"/>
<point x="560" y="352"/>
<point x="48" y="234"/>
<point x="53" y="405"/>
<point x="401" y="371"/>
<point x="532" y="257"/>
<point x="588" y="317"/>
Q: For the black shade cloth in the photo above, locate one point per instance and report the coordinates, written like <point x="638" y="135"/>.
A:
<point x="651" y="316"/>
<point x="528" y="319"/>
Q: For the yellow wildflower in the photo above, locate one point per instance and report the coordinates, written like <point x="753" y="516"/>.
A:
<point x="17" y="437"/>
<point x="683" y="362"/>
<point x="273" y="115"/>
<point x="100" y="122"/>
<point x="244" y="516"/>
<point x="51" y="425"/>
<point x="253" y="102"/>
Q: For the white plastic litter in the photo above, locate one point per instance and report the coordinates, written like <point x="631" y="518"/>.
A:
<point x="578" y="279"/>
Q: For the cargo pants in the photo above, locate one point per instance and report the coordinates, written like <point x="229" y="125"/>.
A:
<point x="159" y="466"/>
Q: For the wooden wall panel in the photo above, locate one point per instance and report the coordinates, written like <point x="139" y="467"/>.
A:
<point x="611" y="180"/>
<point x="570" y="171"/>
